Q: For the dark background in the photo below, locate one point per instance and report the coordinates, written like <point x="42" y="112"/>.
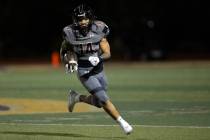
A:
<point x="145" y="30"/>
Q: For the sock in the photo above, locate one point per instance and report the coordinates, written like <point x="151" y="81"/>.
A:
<point x="124" y="125"/>
<point x="121" y="120"/>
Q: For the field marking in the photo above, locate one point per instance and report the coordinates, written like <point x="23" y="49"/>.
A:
<point x="108" y="125"/>
<point x="31" y="106"/>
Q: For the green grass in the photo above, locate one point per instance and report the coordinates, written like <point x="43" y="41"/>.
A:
<point x="151" y="96"/>
<point x="64" y="132"/>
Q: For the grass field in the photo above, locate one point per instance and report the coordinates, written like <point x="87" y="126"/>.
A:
<point x="163" y="101"/>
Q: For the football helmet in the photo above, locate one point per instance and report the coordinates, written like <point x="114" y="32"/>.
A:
<point x="82" y="12"/>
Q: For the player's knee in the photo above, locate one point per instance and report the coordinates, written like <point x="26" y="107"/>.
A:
<point x="102" y="98"/>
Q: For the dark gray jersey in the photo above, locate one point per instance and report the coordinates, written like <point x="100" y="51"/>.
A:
<point x="86" y="46"/>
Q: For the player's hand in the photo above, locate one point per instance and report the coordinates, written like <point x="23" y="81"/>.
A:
<point x="71" y="67"/>
<point x="94" y="60"/>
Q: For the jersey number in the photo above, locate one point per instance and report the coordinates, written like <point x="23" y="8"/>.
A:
<point x="86" y="48"/>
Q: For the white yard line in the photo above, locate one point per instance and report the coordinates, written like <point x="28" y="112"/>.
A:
<point x="98" y="125"/>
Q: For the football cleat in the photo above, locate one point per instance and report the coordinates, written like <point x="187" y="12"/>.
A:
<point x="126" y="128"/>
<point x="72" y="100"/>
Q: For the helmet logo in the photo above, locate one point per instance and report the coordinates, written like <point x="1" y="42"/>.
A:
<point x="81" y="15"/>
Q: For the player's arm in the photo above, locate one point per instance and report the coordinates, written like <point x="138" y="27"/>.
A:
<point x="106" y="54"/>
<point x="66" y="52"/>
<point x="68" y="57"/>
<point x="63" y="50"/>
<point x="105" y="47"/>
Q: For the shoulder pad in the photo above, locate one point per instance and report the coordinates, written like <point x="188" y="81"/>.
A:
<point x="68" y="33"/>
<point x="100" y="28"/>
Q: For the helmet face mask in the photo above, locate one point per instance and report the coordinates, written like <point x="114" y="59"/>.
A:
<point x="81" y="14"/>
<point x="84" y="23"/>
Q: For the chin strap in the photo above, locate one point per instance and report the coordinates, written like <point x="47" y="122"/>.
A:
<point x="84" y="31"/>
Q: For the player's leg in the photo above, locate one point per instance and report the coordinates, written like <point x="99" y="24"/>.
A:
<point x="93" y="85"/>
<point x="97" y="86"/>
<point x="75" y="97"/>
<point x="109" y="108"/>
<point x="89" y="99"/>
<point x="113" y="112"/>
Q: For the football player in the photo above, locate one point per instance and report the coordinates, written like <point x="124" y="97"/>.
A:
<point x="84" y="50"/>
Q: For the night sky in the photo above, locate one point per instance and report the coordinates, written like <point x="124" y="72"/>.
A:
<point x="147" y="29"/>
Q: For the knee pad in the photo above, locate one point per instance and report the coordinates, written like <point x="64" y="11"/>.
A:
<point x="100" y="97"/>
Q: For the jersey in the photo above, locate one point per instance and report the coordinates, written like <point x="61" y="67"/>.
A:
<point x="86" y="46"/>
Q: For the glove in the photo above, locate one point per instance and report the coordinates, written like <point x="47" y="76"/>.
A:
<point x="94" y="60"/>
<point x="71" y="67"/>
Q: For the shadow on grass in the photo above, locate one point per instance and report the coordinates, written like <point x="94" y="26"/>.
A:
<point x="59" y="134"/>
